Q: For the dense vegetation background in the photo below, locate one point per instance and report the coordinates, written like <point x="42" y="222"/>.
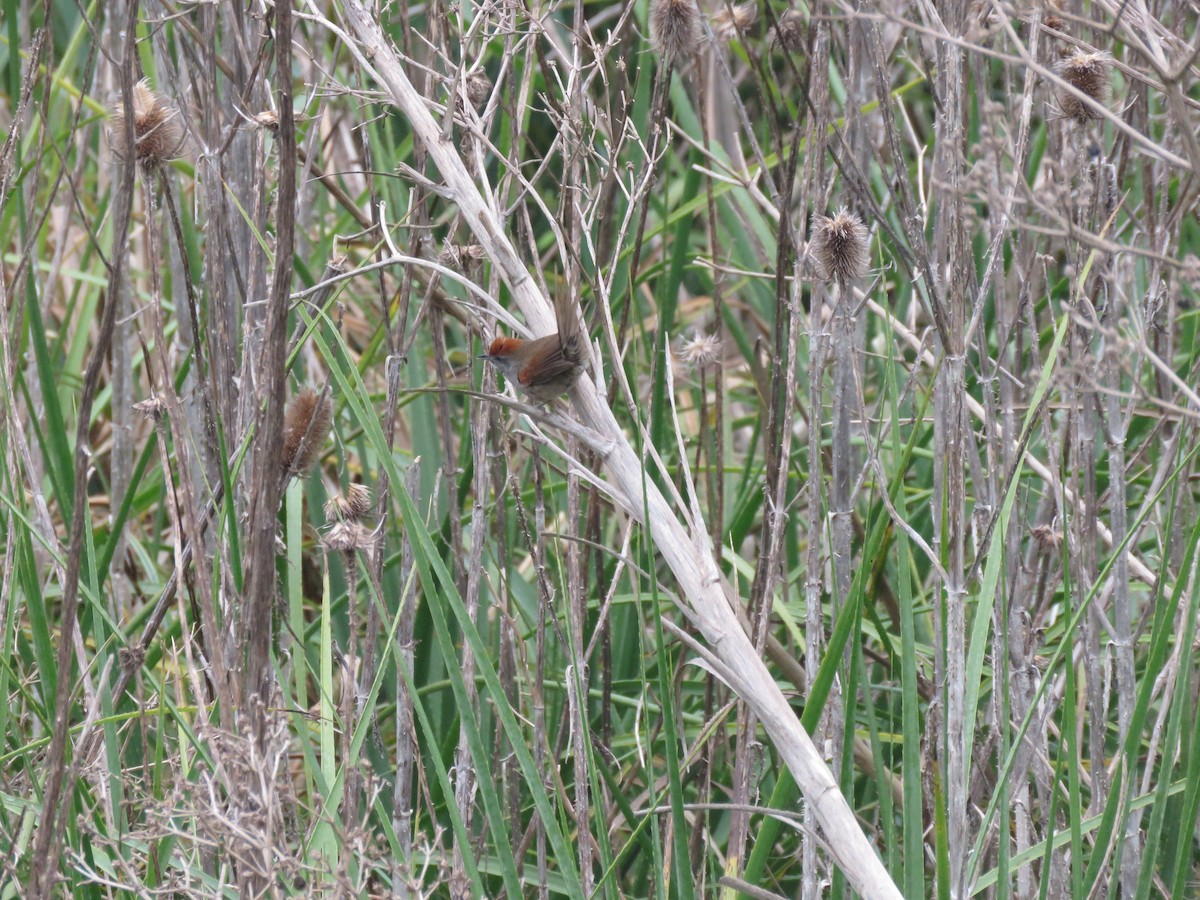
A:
<point x="888" y="439"/>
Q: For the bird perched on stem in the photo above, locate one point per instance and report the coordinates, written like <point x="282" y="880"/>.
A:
<point x="544" y="368"/>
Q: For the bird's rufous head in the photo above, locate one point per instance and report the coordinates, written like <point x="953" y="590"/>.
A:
<point x="504" y="346"/>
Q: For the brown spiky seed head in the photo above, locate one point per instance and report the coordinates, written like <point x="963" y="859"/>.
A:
<point x="730" y="21"/>
<point x="358" y="500"/>
<point x="348" y="536"/>
<point x="1052" y="16"/>
<point x="462" y="257"/>
<point x="790" y="31"/>
<point x="354" y="504"/>
<point x="157" y="134"/>
<point x="306" y="423"/>
<point x="1047" y="536"/>
<point x="479" y="88"/>
<point x="701" y="349"/>
<point x="675" y="29"/>
<point x="1088" y="73"/>
<point x="336" y="509"/>
<point x="152" y="408"/>
<point x="839" y="246"/>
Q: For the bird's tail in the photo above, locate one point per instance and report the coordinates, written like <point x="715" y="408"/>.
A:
<point x="572" y="337"/>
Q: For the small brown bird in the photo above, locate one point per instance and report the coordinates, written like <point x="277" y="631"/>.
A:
<point x="547" y="367"/>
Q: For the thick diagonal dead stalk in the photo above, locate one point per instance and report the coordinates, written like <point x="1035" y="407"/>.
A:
<point x="688" y="555"/>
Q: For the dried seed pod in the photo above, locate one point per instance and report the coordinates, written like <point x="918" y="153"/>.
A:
<point x="675" y="29"/>
<point x="730" y="21"/>
<point x="336" y="509"/>
<point x="701" y="349"/>
<point x="1103" y="177"/>
<point x="1086" y="72"/>
<point x="354" y="504"/>
<point x="348" y="536"/>
<point x="359" y="498"/>
<point x="131" y="658"/>
<point x="790" y="31"/>
<point x="462" y="257"/>
<point x="479" y="88"/>
<point x="1047" y="536"/>
<point x="982" y="20"/>
<point x="306" y="423"/>
<point x="839" y="246"/>
<point x="1052" y="15"/>
<point x="157" y="135"/>
<point x="152" y="407"/>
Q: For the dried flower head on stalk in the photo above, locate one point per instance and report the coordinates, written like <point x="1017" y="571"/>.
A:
<point x="839" y="246"/>
<point x="479" y="88"/>
<point x="790" y="31"/>
<point x="701" y="349"/>
<point x="462" y="257"/>
<point x="152" y="407"/>
<point x="306" y="423"/>
<point x="354" y="504"/>
<point x="157" y="135"/>
<point x="1052" y="16"/>
<point x="730" y="21"/>
<point x="1088" y="73"/>
<point x="268" y="119"/>
<point x="348" y="537"/>
<point x="675" y="29"/>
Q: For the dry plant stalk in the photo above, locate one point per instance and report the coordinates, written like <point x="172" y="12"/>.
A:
<point x="47" y="840"/>
<point x="266" y="367"/>
<point x="839" y="249"/>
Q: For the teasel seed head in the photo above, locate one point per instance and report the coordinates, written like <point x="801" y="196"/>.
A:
<point x="1086" y="72"/>
<point x="152" y="407"/>
<point x="306" y="423"/>
<point x="789" y="32"/>
<point x="348" y="537"/>
<point x="157" y="135"/>
<point x="1052" y="18"/>
<point x="354" y="504"/>
<point x="479" y="88"/>
<point x="1047" y="536"/>
<point x="462" y="257"/>
<point x="131" y="658"/>
<point x="675" y="29"/>
<point x="730" y="21"/>
<point x="839" y="246"/>
<point x="701" y="349"/>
